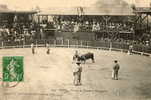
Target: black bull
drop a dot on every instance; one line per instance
(85, 57)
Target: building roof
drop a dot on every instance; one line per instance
(18, 12)
(87, 11)
(4, 9)
(143, 10)
(100, 7)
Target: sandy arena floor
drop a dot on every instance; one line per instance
(49, 77)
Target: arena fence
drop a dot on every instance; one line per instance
(105, 45)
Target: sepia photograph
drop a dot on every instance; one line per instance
(75, 49)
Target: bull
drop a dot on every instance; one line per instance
(85, 57)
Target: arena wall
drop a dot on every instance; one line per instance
(103, 45)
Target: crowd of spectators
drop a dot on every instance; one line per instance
(87, 26)
(18, 32)
(29, 31)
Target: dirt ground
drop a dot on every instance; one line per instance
(49, 77)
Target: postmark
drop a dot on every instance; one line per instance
(13, 68)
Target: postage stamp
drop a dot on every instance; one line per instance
(13, 68)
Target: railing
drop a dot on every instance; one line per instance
(105, 45)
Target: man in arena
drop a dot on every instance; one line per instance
(48, 48)
(77, 70)
(76, 55)
(33, 48)
(130, 49)
(116, 68)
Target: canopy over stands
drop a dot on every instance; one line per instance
(116, 11)
(142, 10)
(99, 7)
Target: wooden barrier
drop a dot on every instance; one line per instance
(99, 45)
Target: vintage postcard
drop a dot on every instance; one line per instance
(75, 49)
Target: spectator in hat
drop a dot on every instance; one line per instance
(116, 68)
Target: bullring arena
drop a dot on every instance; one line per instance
(49, 77)
(110, 29)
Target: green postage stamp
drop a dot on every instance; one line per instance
(13, 68)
